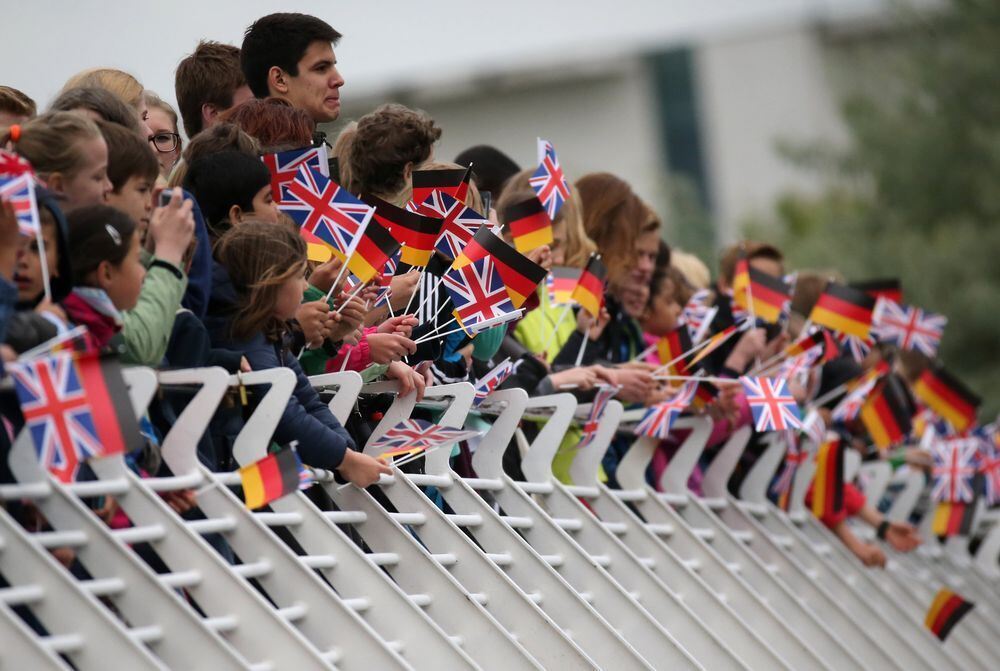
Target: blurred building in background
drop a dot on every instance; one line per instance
(695, 120)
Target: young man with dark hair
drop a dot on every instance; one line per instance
(290, 56)
(207, 83)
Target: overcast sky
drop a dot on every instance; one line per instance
(386, 43)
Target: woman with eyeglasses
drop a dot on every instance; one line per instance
(164, 137)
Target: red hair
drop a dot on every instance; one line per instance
(276, 125)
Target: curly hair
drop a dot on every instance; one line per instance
(385, 142)
(273, 122)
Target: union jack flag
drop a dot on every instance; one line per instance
(388, 272)
(327, 210)
(857, 347)
(605, 393)
(284, 167)
(739, 314)
(13, 165)
(489, 382)
(548, 180)
(989, 463)
(953, 470)
(478, 293)
(57, 413)
(698, 315)
(460, 222)
(800, 365)
(20, 193)
(417, 433)
(908, 327)
(849, 407)
(658, 419)
(773, 407)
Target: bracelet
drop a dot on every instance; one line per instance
(883, 527)
(174, 270)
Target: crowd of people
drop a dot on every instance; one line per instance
(176, 254)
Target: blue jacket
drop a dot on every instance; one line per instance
(322, 440)
(199, 286)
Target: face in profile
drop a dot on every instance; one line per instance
(316, 89)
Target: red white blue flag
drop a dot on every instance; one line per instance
(489, 382)
(698, 315)
(20, 193)
(908, 327)
(284, 167)
(14, 165)
(548, 180)
(417, 433)
(954, 469)
(324, 208)
(658, 420)
(460, 222)
(478, 292)
(605, 393)
(773, 406)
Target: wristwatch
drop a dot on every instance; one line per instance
(883, 527)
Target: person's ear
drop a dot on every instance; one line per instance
(209, 113)
(407, 171)
(103, 276)
(55, 182)
(277, 80)
(235, 215)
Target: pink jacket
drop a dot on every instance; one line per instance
(358, 356)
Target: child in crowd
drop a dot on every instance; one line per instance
(267, 266)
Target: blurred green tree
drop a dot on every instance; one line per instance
(916, 194)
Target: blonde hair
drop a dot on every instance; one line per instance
(694, 270)
(342, 152)
(154, 101)
(51, 142)
(121, 83)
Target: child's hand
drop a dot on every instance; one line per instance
(578, 379)
(389, 347)
(313, 318)
(870, 555)
(171, 229)
(750, 346)
(636, 384)
(245, 365)
(360, 469)
(403, 325)
(401, 287)
(542, 256)
(181, 500)
(9, 240)
(53, 309)
(348, 319)
(409, 379)
(902, 537)
(323, 275)
(606, 375)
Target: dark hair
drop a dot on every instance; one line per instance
(259, 257)
(384, 142)
(274, 123)
(491, 168)
(751, 249)
(101, 102)
(128, 155)
(98, 233)
(280, 40)
(209, 76)
(219, 181)
(17, 102)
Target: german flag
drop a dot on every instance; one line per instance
(484, 243)
(561, 282)
(713, 343)
(889, 287)
(828, 483)
(831, 350)
(947, 397)
(953, 519)
(415, 232)
(672, 346)
(272, 477)
(845, 310)
(887, 412)
(316, 249)
(529, 224)
(945, 612)
(768, 295)
(454, 182)
(374, 249)
(589, 290)
(520, 274)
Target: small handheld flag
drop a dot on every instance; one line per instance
(14, 165)
(459, 223)
(418, 433)
(520, 274)
(828, 482)
(952, 519)
(589, 291)
(76, 407)
(845, 310)
(489, 382)
(657, 420)
(548, 181)
(946, 610)
(327, 210)
(954, 469)
(268, 479)
(887, 412)
(454, 182)
(908, 327)
(674, 349)
(529, 225)
(20, 193)
(478, 292)
(284, 166)
(768, 295)
(773, 406)
(416, 232)
(795, 455)
(889, 288)
(698, 314)
(560, 283)
(605, 393)
(374, 248)
(947, 397)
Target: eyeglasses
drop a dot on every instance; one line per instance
(165, 142)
